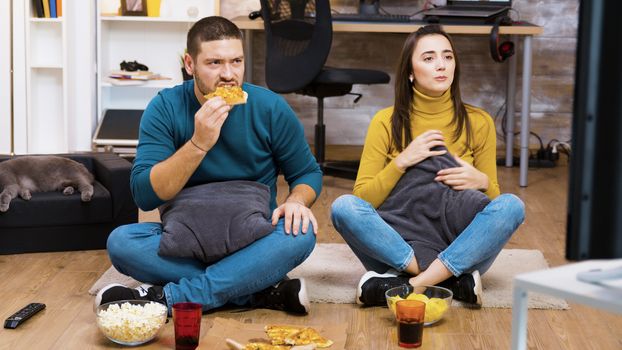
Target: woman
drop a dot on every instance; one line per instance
(428, 119)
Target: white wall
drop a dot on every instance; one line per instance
(5, 77)
(20, 126)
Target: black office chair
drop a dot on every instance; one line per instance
(298, 39)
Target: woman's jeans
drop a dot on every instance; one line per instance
(380, 247)
(133, 250)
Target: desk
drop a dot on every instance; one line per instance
(526, 31)
(561, 282)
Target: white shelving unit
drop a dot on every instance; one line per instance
(46, 77)
(157, 42)
(53, 85)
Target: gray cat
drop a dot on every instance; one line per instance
(26, 174)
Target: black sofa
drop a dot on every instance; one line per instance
(51, 221)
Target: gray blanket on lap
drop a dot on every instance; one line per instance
(429, 215)
(208, 222)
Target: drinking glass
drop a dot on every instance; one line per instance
(410, 316)
(187, 322)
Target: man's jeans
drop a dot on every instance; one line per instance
(380, 247)
(133, 250)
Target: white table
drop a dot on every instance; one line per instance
(562, 282)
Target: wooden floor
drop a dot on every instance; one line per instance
(61, 280)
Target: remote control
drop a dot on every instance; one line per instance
(22, 315)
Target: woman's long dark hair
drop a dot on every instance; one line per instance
(404, 107)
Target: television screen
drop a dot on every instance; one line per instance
(594, 226)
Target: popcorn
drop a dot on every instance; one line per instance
(131, 323)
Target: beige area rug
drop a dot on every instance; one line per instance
(332, 273)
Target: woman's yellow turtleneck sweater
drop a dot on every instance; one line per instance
(378, 174)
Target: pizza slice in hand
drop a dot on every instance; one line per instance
(233, 95)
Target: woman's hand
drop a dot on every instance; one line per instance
(419, 149)
(464, 177)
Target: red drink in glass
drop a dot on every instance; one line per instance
(187, 322)
(410, 315)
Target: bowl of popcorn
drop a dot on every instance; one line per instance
(131, 322)
(437, 300)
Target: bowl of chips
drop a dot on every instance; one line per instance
(437, 299)
(131, 322)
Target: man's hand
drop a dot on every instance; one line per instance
(169, 176)
(464, 177)
(208, 121)
(294, 212)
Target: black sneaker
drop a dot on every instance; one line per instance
(373, 285)
(116, 292)
(289, 295)
(466, 287)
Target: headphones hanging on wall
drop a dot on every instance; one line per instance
(500, 52)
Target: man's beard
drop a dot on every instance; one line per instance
(200, 85)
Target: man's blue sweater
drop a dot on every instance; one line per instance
(257, 139)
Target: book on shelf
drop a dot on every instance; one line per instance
(59, 7)
(52, 8)
(135, 75)
(127, 78)
(38, 8)
(125, 82)
(46, 8)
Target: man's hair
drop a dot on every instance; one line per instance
(210, 29)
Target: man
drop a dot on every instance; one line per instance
(186, 140)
